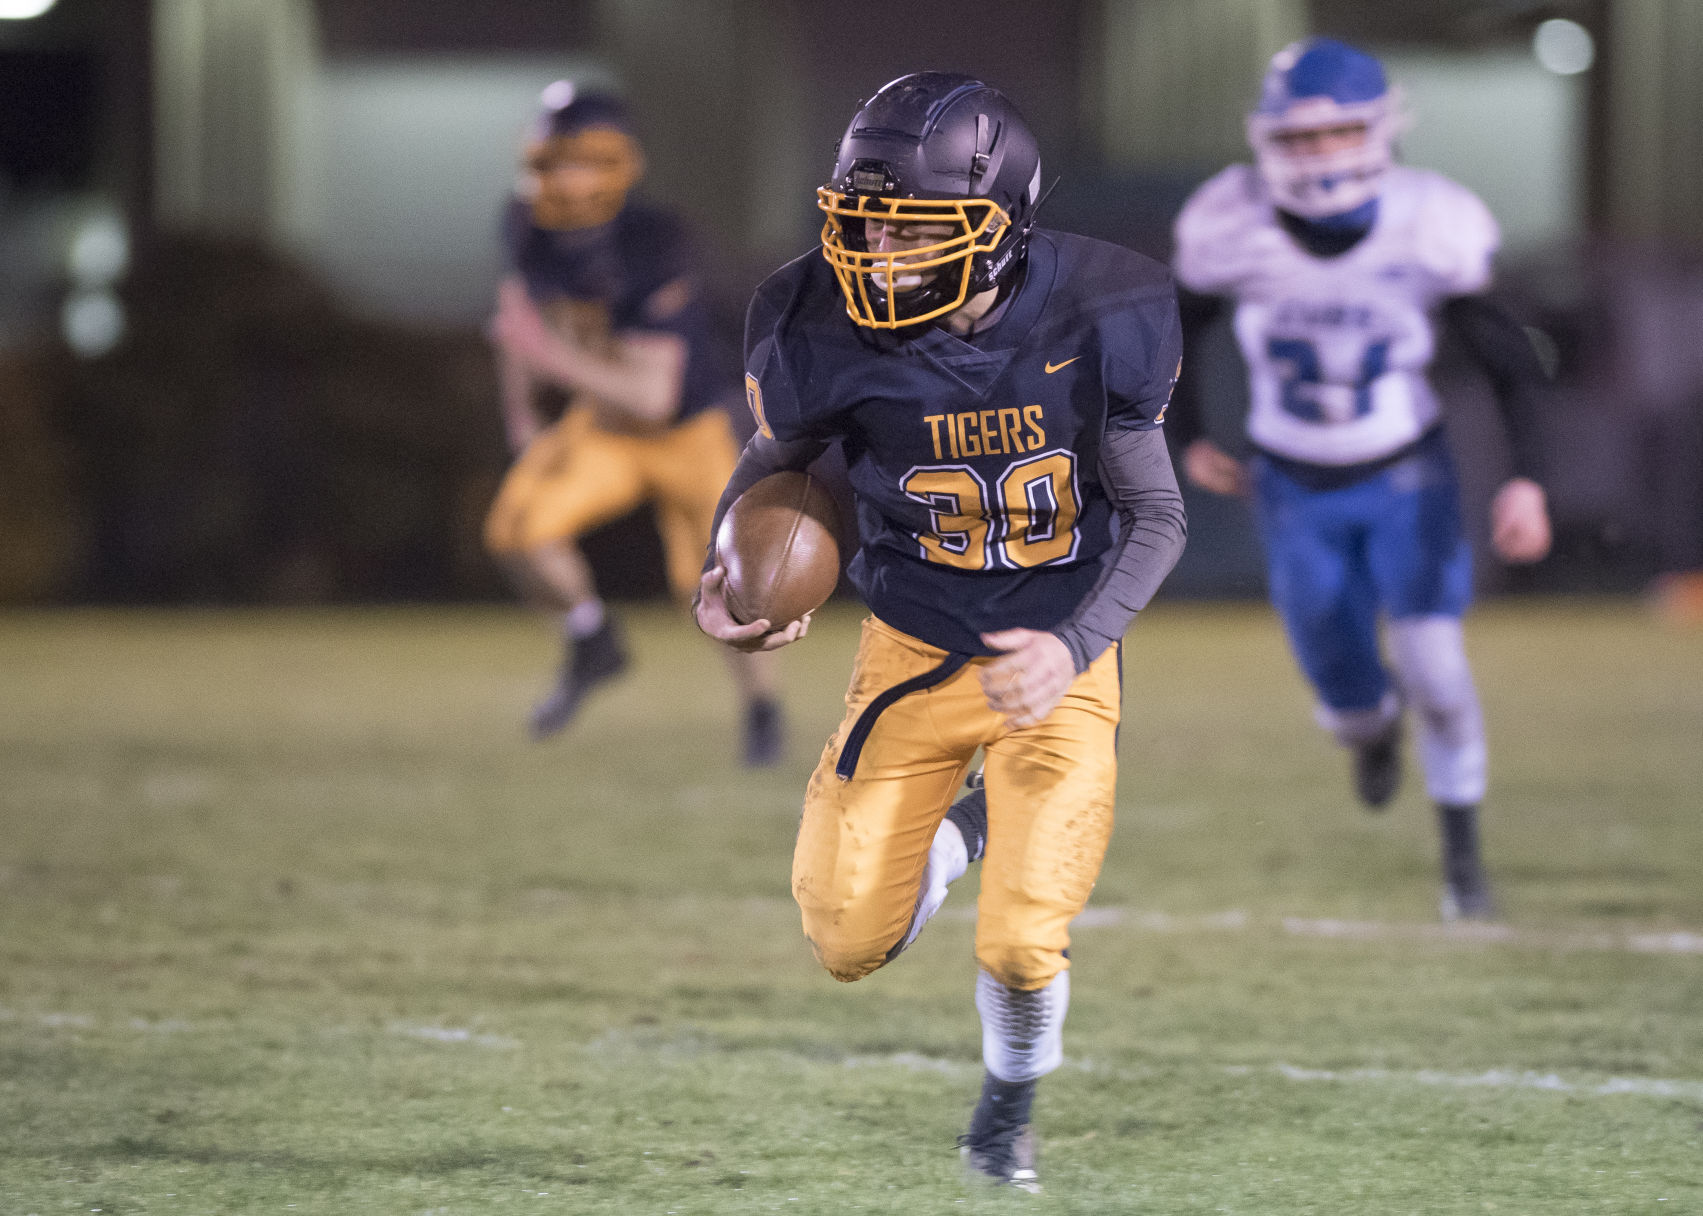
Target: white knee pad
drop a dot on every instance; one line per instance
(1353, 727)
(1430, 661)
(1022, 1032)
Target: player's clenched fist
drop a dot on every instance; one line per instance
(1026, 682)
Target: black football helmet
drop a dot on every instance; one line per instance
(930, 148)
(580, 161)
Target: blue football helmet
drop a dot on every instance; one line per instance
(1325, 128)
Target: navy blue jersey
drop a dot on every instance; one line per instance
(643, 272)
(975, 462)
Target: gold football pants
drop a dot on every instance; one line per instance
(863, 842)
(576, 476)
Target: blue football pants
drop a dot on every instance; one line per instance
(1390, 546)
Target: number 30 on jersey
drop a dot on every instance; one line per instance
(1026, 518)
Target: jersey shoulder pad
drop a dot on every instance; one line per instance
(777, 326)
(531, 253)
(1129, 303)
(516, 229)
(1214, 228)
(776, 297)
(1095, 270)
(655, 244)
(1455, 234)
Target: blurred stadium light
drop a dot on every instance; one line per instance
(23, 10)
(370, 141)
(1564, 47)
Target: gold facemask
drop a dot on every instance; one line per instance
(875, 296)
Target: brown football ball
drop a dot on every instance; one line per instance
(778, 543)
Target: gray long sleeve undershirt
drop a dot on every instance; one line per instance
(1135, 469)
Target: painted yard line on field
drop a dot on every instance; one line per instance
(911, 1061)
(914, 1061)
(83, 1021)
(1495, 1078)
(451, 1034)
(1468, 933)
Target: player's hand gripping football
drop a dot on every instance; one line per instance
(1212, 468)
(715, 620)
(1519, 522)
(1027, 681)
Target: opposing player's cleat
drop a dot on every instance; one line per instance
(970, 815)
(1467, 894)
(1000, 1145)
(764, 741)
(1466, 890)
(595, 659)
(1377, 768)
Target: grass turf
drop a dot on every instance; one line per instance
(293, 919)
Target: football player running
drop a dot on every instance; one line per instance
(997, 390)
(1340, 265)
(603, 307)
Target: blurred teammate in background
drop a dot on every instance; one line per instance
(998, 392)
(1340, 266)
(602, 306)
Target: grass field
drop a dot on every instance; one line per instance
(293, 919)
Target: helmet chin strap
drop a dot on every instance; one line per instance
(1004, 282)
(999, 273)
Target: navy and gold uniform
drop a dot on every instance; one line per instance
(602, 303)
(975, 463)
(997, 393)
(635, 275)
(981, 504)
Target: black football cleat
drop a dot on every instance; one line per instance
(764, 741)
(1000, 1145)
(970, 815)
(594, 659)
(1377, 768)
(1467, 897)
(1466, 890)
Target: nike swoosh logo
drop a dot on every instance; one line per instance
(1053, 367)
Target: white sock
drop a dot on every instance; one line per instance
(948, 859)
(1430, 661)
(1022, 1032)
(583, 619)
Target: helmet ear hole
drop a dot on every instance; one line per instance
(984, 144)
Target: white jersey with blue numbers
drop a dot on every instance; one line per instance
(1337, 348)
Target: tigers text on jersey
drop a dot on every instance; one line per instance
(1337, 348)
(637, 274)
(975, 462)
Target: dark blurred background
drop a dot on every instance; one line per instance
(247, 248)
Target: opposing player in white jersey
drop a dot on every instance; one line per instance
(1341, 266)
